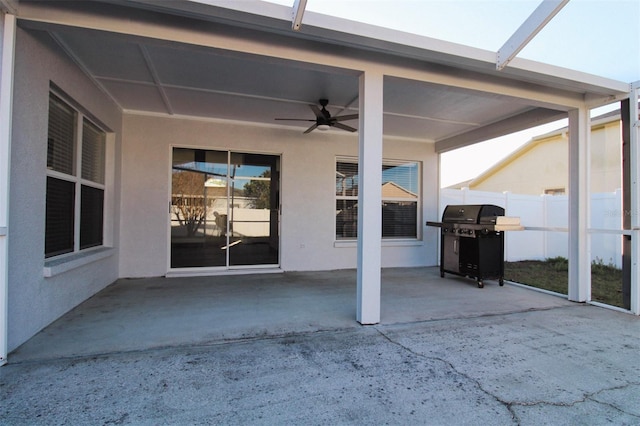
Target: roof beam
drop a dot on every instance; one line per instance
(526, 120)
(298, 11)
(528, 30)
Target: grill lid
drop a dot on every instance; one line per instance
(472, 213)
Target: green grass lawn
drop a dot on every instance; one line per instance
(553, 274)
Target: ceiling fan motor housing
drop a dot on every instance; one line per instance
(323, 120)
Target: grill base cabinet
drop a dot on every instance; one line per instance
(469, 244)
(480, 258)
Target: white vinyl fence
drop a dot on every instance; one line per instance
(545, 218)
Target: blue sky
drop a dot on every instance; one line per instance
(600, 37)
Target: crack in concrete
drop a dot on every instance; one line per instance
(586, 397)
(514, 416)
(510, 405)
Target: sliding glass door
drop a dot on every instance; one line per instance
(224, 209)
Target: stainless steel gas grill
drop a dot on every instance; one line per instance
(472, 241)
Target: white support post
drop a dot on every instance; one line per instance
(579, 208)
(8, 33)
(369, 198)
(634, 132)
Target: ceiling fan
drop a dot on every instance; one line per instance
(324, 120)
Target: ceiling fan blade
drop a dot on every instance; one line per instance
(346, 117)
(317, 111)
(310, 128)
(344, 127)
(292, 119)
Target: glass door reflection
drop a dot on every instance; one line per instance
(198, 208)
(253, 212)
(224, 209)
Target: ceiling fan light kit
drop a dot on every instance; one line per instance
(324, 121)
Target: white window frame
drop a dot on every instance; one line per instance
(418, 201)
(78, 181)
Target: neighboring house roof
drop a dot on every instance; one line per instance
(389, 190)
(596, 122)
(393, 190)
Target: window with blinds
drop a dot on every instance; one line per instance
(400, 187)
(75, 195)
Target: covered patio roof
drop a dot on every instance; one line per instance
(241, 61)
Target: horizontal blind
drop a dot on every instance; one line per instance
(400, 187)
(93, 152)
(346, 179)
(346, 219)
(91, 216)
(59, 220)
(61, 137)
(399, 219)
(401, 180)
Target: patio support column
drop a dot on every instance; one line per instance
(579, 206)
(7, 46)
(634, 148)
(369, 198)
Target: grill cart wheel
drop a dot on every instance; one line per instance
(480, 284)
(501, 282)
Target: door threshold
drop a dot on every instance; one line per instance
(200, 272)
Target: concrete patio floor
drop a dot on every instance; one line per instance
(286, 349)
(140, 314)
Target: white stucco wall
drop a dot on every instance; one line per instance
(35, 301)
(307, 191)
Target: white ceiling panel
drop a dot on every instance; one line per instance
(418, 128)
(255, 76)
(226, 106)
(106, 56)
(136, 97)
(412, 98)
